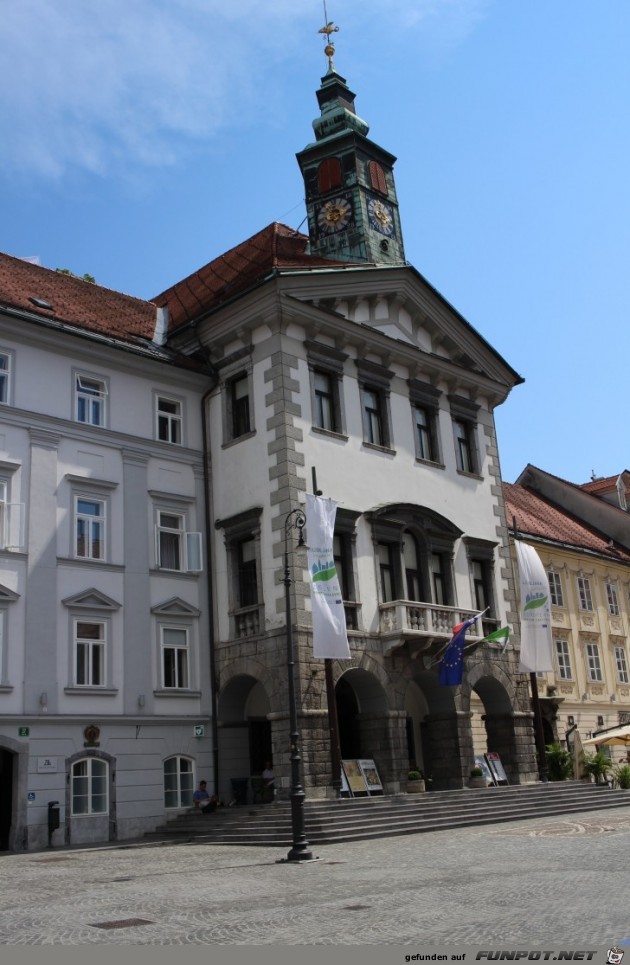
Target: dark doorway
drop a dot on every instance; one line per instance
(347, 714)
(6, 797)
(259, 744)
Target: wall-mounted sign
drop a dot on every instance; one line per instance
(23, 731)
(46, 765)
(30, 797)
(200, 730)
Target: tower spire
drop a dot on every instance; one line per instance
(328, 29)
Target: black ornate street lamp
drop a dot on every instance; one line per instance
(295, 520)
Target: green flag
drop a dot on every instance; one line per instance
(498, 636)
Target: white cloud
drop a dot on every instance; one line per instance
(112, 85)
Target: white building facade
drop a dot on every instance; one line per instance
(105, 658)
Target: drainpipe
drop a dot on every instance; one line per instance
(207, 507)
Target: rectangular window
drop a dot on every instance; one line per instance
(555, 588)
(387, 572)
(169, 420)
(174, 657)
(611, 599)
(11, 520)
(424, 420)
(5, 375)
(90, 395)
(463, 446)
(239, 401)
(373, 417)
(621, 664)
(175, 548)
(437, 579)
(593, 663)
(89, 787)
(564, 659)
(247, 576)
(324, 415)
(170, 541)
(584, 593)
(89, 528)
(89, 654)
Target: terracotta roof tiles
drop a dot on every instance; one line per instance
(74, 301)
(275, 247)
(536, 516)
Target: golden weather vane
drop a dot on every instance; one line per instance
(328, 29)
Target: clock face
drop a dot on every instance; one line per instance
(334, 215)
(381, 216)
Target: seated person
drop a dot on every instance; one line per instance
(203, 801)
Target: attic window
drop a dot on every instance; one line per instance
(40, 302)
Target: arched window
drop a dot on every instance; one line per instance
(329, 175)
(178, 782)
(89, 786)
(412, 568)
(377, 177)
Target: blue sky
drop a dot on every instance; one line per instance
(141, 138)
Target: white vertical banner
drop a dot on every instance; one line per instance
(536, 643)
(330, 638)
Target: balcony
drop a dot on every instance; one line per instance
(424, 624)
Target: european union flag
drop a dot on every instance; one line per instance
(452, 666)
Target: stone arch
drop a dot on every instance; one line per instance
(246, 736)
(435, 729)
(489, 693)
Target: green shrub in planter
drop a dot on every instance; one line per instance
(476, 772)
(621, 776)
(559, 763)
(597, 766)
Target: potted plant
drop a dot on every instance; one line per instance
(476, 778)
(415, 782)
(621, 776)
(559, 763)
(597, 766)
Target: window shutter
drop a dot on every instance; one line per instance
(329, 175)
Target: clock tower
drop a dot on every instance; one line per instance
(351, 200)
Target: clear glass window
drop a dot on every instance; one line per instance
(564, 659)
(90, 528)
(170, 541)
(89, 787)
(90, 395)
(555, 588)
(175, 657)
(178, 782)
(241, 423)
(584, 593)
(611, 599)
(621, 664)
(463, 446)
(89, 654)
(169, 421)
(593, 662)
(324, 401)
(5, 375)
(373, 417)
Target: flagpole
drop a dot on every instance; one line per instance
(539, 734)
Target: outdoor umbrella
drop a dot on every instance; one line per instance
(618, 736)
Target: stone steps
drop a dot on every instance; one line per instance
(363, 818)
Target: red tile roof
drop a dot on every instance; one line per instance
(275, 247)
(74, 301)
(536, 516)
(608, 484)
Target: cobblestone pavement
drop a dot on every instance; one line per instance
(557, 881)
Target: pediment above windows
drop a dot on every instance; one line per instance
(175, 607)
(91, 599)
(7, 595)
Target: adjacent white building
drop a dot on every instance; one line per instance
(104, 658)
